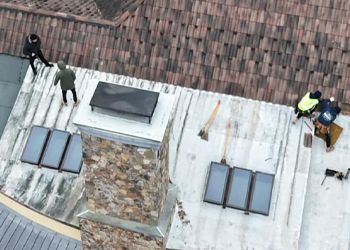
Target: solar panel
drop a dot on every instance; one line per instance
(35, 145)
(55, 148)
(239, 187)
(261, 193)
(124, 100)
(216, 184)
(73, 158)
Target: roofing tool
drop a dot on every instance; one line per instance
(227, 142)
(331, 172)
(204, 131)
(347, 174)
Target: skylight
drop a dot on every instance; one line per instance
(216, 185)
(59, 151)
(73, 158)
(239, 188)
(261, 194)
(35, 145)
(54, 150)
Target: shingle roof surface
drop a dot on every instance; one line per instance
(267, 50)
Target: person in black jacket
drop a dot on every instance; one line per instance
(32, 49)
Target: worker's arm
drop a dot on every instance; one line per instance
(57, 78)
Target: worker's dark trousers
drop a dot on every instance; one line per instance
(328, 139)
(41, 57)
(64, 93)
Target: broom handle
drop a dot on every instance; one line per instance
(212, 115)
(227, 139)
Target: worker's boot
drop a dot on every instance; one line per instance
(329, 149)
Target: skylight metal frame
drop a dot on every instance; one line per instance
(61, 153)
(247, 203)
(43, 146)
(252, 189)
(225, 184)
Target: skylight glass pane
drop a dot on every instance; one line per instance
(74, 156)
(35, 143)
(55, 148)
(261, 195)
(239, 186)
(216, 184)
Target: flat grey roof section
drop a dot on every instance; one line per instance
(12, 73)
(216, 184)
(17, 232)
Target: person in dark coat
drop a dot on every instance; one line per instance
(32, 49)
(66, 77)
(325, 119)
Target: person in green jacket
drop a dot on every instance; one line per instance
(66, 77)
(307, 105)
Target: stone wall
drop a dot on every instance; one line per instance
(125, 181)
(100, 236)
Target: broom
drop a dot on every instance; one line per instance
(227, 142)
(204, 131)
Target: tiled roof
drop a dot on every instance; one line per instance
(268, 50)
(77, 7)
(17, 232)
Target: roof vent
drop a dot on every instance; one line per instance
(124, 102)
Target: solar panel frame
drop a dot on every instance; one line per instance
(66, 155)
(61, 154)
(206, 199)
(27, 145)
(253, 192)
(228, 204)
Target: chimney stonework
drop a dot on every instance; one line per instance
(130, 202)
(125, 181)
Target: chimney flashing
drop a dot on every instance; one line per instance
(159, 230)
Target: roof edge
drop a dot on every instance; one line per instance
(41, 219)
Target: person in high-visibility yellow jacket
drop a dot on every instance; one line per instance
(307, 105)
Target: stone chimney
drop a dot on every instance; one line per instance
(129, 199)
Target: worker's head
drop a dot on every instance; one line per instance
(317, 94)
(337, 109)
(331, 99)
(61, 64)
(33, 38)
